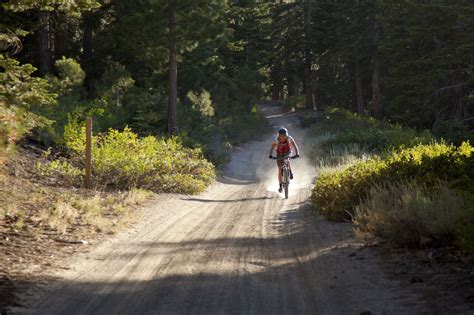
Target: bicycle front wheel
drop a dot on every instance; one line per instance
(286, 182)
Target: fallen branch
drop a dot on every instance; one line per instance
(70, 242)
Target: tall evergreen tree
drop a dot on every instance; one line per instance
(50, 40)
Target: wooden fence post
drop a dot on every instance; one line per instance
(88, 178)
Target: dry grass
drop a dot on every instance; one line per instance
(337, 157)
(60, 216)
(105, 212)
(36, 207)
(27, 201)
(41, 221)
(410, 215)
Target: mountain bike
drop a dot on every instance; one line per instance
(285, 171)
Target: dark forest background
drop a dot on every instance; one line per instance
(405, 61)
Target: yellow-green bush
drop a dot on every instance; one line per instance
(63, 170)
(123, 160)
(336, 194)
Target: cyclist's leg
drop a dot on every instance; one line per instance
(279, 164)
(279, 172)
(289, 168)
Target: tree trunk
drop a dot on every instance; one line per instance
(460, 112)
(173, 74)
(358, 84)
(44, 50)
(309, 87)
(308, 58)
(87, 51)
(292, 83)
(319, 102)
(376, 93)
(376, 90)
(87, 41)
(61, 38)
(276, 92)
(358, 75)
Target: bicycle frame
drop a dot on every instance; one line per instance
(285, 172)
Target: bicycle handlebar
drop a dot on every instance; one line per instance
(284, 157)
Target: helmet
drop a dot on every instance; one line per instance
(283, 131)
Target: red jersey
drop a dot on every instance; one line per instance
(283, 147)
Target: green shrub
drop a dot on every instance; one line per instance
(410, 214)
(123, 160)
(70, 76)
(336, 194)
(63, 170)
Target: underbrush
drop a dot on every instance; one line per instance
(414, 215)
(30, 203)
(394, 183)
(122, 160)
(337, 193)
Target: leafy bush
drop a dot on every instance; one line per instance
(123, 160)
(410, 214)
(337, 193)
(70, 76)
(63, 170)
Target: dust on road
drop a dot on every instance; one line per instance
(239, 248)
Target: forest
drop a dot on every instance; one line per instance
(197, 68)
(384, 91)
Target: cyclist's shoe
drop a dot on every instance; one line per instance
(280, 189)
(291, 175)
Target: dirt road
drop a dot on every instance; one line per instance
(239, 248)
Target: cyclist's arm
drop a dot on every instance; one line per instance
(293, 143)
(272, 148)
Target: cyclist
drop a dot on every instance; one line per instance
(283, 144)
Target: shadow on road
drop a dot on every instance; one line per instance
(226, 200)
(307, 267)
